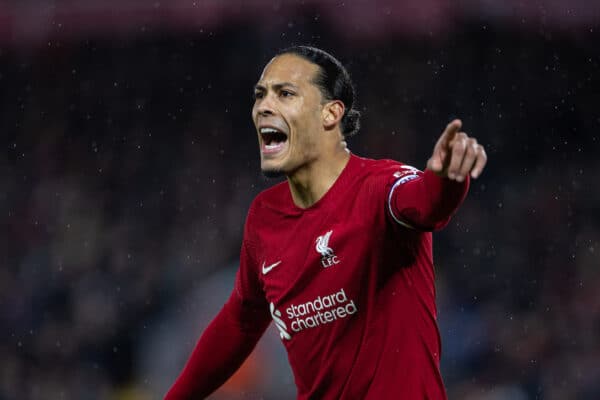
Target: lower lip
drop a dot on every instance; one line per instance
(272, 149)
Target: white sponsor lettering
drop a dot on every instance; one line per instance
(320, 311)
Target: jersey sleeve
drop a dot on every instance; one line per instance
(422, 200)
(229, 338)
(220, 351)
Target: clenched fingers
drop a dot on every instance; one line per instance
(480, 161)
(468, 157)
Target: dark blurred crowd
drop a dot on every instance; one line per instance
(128, 165)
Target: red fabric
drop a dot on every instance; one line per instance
(427, 203)
(350, 289)
(222, 348)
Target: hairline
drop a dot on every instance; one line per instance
(318, 75)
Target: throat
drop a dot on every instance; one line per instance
(309, 184)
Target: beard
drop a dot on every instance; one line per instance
(272, 173)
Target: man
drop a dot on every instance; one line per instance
(339, 256)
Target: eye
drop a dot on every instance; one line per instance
(286, 93)
(258, 95)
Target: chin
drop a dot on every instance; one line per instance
(272, 168)
(272, 172)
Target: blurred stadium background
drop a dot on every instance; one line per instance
(129, 160)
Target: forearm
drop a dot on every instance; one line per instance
(428, 203)
(220, 351)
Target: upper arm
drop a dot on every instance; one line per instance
(247, 284)
(248, 289)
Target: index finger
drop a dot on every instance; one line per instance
(451, 129)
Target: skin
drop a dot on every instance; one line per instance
(456, 154)
(315, 153)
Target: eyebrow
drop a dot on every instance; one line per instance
(276, 86)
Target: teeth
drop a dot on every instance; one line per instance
(268, 130)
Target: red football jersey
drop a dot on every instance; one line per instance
(348, 283)
(350, 289)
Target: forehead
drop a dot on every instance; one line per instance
(288, 68)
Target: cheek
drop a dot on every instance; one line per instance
(307, 117)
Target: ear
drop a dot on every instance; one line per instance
(333, 112)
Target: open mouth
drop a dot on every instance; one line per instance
(273, 140)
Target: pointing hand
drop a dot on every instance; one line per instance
(456, 154)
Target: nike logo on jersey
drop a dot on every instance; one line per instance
(266, 270)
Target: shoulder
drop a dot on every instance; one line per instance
(386, 170)
(269, 199)
(275, 194)
(378, 164)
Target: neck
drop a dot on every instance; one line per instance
(310, 182)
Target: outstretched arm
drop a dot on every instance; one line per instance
(222, 348)
(427, 200)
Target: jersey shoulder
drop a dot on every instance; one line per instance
(277, 192)
(275, 198)
(386, 169)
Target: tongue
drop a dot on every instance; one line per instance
(273, 147)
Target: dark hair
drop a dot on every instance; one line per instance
(334, 82)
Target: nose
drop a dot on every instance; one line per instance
(265, 107)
